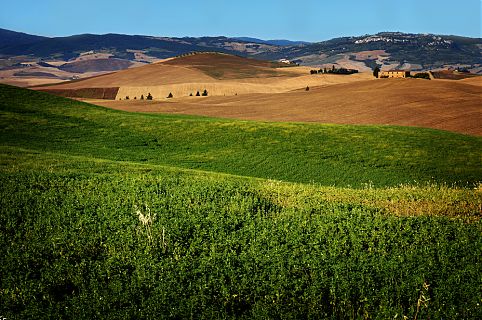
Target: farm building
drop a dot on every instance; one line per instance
(394, 74)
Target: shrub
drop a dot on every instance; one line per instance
(149, 97)
(376, 70)
(198, 94)
(142, 97)
(422, 75)
(170, 95)
(205, 93)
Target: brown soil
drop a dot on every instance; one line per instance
(446, 105)
(89, 93)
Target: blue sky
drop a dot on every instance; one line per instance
(307, 20)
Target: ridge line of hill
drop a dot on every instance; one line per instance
(405, 50)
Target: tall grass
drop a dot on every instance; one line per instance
(74, 245)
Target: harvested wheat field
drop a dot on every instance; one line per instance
(219, 74)
(476, 81)
(446, 105)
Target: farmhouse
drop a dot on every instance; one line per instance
(394, 74)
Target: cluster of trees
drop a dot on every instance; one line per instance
(334, 70)
(149, 96)
(422, 75)
(198, 94)
(462, 70)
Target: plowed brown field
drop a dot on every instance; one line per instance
(447, 105)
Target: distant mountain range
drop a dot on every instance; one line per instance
(388, 49)
(278, 42)
(12, 38)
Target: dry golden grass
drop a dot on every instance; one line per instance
(28, 82)
(237, 87)
(476, 81)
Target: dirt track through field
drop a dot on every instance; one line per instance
(447, 105)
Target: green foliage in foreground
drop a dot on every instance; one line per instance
(177, 245)
(95, 224)
(326, 154)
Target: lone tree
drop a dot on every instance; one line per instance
(198, 94)
(142, 97)
(376, 70)
(205, 93)
(149, 97)
(190, 94)
(307, 88)
(127, 97)
(170, 95)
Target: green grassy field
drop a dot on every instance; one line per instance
(330, 155)
(106, 214)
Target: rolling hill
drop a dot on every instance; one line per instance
(388, 49)
(251, 89)
(219, 74)
(393, 50)
(10, 38)
(121, 46)
(446, 105)
(194, 142)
